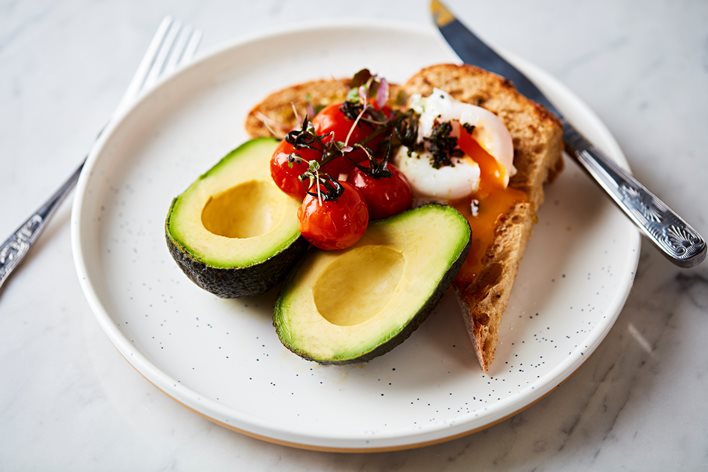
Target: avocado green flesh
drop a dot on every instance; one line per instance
(233, 232)
(356, 304)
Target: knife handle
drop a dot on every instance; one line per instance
(675, 238)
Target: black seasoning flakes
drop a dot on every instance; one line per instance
(442, 147)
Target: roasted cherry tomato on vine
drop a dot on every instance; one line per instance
(333, 224)
(286, 174)
(385, 195)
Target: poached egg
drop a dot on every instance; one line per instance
(462, 178)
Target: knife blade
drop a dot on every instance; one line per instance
(676, 239)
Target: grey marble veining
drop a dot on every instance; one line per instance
(68, 401)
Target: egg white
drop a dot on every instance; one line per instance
(443, 184)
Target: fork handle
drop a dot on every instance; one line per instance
(675, 238)
(16, 247)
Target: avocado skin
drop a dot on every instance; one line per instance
(415, 322)
(235, 283)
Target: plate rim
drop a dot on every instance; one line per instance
(218, 413)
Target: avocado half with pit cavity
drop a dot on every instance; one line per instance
(233, 232)
(356, 304)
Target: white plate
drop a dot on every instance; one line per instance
(222, 357)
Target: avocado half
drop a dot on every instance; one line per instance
(356, 304)
(233, 232)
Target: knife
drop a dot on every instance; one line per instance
(675, 238)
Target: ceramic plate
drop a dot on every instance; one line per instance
(222, 358)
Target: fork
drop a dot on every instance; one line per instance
(173, 44)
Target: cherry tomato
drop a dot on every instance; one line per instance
(331, 120)
(285, 174)
(334, 224)
(385, 196)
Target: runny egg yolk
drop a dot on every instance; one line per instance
(495, 200)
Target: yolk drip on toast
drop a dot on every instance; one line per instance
(495, 200)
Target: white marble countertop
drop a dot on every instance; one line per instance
(68, 401)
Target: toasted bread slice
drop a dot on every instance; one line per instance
(537, 137)
(274, 115)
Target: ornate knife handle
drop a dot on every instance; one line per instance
(675, 238)
(15, 248)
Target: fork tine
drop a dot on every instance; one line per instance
(176, 52)
(136, 84)
(163, 54)
(192, 46)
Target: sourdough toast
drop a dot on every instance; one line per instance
(537, 138)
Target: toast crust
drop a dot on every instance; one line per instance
(537, 138)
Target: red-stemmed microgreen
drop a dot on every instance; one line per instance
(270, 124)
(365, 103)
(295, 112)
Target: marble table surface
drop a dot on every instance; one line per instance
(68, 401)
